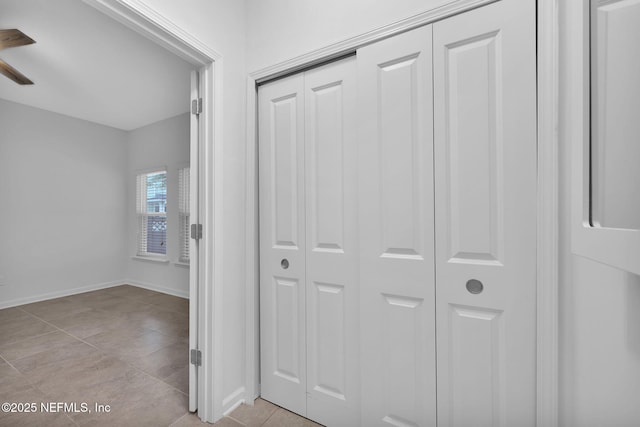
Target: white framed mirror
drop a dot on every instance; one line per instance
(615, 114)
(607, 157)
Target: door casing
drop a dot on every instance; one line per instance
(207, 164)
(547, 189)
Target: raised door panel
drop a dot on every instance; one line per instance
(485, 171)
(403, 355)
(395, 167)
(282, 243)
(400, 171)
(326, 176)
(615, 102)
(332, 251)
(284, 172)
(474, 149)
(477, 350)
(287, 334)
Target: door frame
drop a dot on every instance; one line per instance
(547, 189)
(207, 164)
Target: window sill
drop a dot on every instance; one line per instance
(182, 264)
(150, 259)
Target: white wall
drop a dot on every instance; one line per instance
(62, 182)
(599, 305)
(278, 30)
(67, 191)
(220, 24)
(162, 144)
(600, 327)
(261, 30)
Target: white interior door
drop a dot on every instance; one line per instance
(333, 387)
(194, 262)
(415, 245)
(282, 244)
(485, 151)
(308, 264)
(396, 231)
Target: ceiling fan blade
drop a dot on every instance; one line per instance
(14, 38)
(13, 74)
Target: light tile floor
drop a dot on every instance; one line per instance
(125, 346)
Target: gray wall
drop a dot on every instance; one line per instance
(162, 144)
(63, 210)
(599, 305)
(67, 204)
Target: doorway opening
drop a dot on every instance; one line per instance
(148, 223)
(206, 185)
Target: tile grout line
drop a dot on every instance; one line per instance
(152, 304)
(103, 351)
(236, 420)
(265, 421)
(272, 414)
(134, 299)
(72, 420)
(63, 331)
(81, 339)
(29, 382)
(108, 353)
(34, 386)
(178, 419)
(10, 364)
(60, 330)
(154, 377)
(28, 338)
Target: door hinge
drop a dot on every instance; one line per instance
(196, 231)
(196, 357)
(196, 106)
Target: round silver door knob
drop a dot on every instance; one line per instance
(284, 263)
(474, 286)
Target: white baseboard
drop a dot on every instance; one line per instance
(58, 294)
(157, 288)
(258, 393)
(232, 401)
(79, 290)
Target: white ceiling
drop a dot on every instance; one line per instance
(86, 65)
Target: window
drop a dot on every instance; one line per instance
(183, 213)
(151, 204)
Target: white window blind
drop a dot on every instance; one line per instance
(183, 213)
(151, 207)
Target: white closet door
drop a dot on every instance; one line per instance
(332, 248)
(309, 255)
(485, 151)
(396, 231)
(282, 244)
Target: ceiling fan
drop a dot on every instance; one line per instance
(14, 38)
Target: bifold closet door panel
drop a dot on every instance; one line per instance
(485, 152)
(395, 163)
(282, 243)
(333, 388)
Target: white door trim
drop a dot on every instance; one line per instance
(194, 251)
(350, 45)
(547, 227)
(548, 215)
(139, 17)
